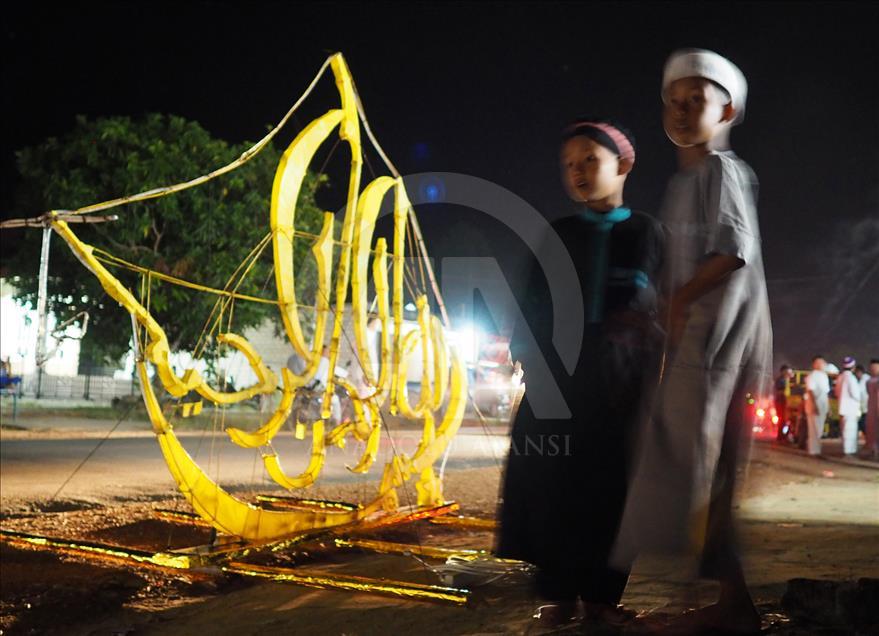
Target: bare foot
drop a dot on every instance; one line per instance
(608, 614)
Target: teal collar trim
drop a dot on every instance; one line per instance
(605, 220)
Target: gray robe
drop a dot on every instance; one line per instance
(690, 447)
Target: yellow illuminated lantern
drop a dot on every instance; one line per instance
(444, 378)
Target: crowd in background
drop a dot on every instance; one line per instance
(855, 390)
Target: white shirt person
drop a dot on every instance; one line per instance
(817, 404)
(848, 392)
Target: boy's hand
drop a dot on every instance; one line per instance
(672, 315)
(678, 315)
(713, 272)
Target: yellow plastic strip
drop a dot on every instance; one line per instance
(401, 208)
(425, 397)
(266, 379)
(349, 131)
(96, 550)
(264, 434)
(466, 522)
(297, 502)
(403, 407)
(178, 516)
(440, 363)
(409, 515)
(367, 212)
(371, 451)
(385, 587)
(380, 278)
(225, 512)
(311, 472)
(388, 547)
(157, 350)
(285, 192)
(246, 156)
(113, 260)
(451, 421)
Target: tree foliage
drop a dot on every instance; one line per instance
(200, 235)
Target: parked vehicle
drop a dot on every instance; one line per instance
(795, 415)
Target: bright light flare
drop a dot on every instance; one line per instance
(468, 338)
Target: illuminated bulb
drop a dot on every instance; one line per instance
(761, 412)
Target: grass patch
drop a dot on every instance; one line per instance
(233, 417)
(28, 411)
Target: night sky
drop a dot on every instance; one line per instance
(484, 89)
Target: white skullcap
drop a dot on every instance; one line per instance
(711, 66)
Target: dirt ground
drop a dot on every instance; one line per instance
(799, 517)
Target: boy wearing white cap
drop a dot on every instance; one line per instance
(719, 345)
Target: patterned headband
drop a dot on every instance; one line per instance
(607, 135)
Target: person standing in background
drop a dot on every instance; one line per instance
(816, 404)
(872, 423)
(863, 377)
(848, 392)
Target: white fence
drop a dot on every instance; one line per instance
(89, 387)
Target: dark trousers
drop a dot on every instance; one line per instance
(562, 512)
(597, 585)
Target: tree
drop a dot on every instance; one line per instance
(200, 235)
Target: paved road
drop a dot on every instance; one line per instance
(130, 463)
(127, 464)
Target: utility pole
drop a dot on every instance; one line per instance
(41, 308)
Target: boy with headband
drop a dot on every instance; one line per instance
(720, 340)
(565, 480)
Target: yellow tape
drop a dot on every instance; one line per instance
(389, 547)
(386, 587)
(225, 512)
(315, 462)
(97, 550)
(264, 434)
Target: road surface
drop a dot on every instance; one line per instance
(131, 463)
